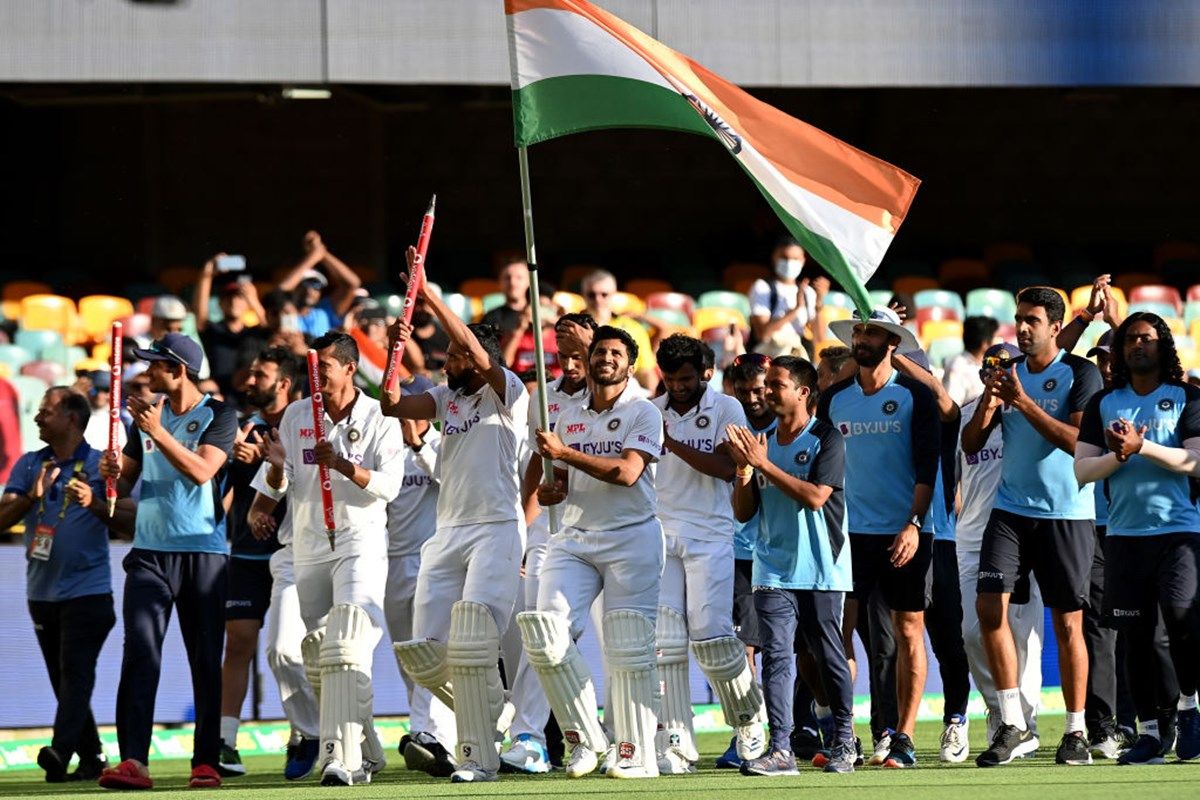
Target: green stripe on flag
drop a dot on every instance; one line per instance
(559, 106)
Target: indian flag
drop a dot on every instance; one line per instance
(576, 67)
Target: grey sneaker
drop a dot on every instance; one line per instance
(842, 757)
(774, 763)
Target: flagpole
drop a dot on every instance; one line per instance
(536, 323)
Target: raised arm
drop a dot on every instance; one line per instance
(343, 281)
(314, 254)
(203, 292)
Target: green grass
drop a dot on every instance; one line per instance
(1036, 777)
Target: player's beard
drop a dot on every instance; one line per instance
(262, 398)
(457, 381)
(867, 357)
(616, 377)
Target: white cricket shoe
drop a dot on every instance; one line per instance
(335, 773)
(581, 761)
(750, 741)
(526, 755)
(673, 762)
(471, 772)
(955, 747)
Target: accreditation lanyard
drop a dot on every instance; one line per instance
(43, 532)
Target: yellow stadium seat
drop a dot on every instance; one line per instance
(97, 312)
(10, 309)
(18, 290)
(478, 287)
(628, 304)
(642, 287)
(831, 314)
(49, 312)
(1080, 296)
(570, 302)
(709, 318)
(102, 351)
(1195, 330)
(1176, 325)
(940, 329)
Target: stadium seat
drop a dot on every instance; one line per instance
(715, 317)
(137, 325)
(478, 287)
(1193, 292)
(29, 396)
(1007, 332)
(1191, 312)
(995, 303)
(15, 356)
(460, 305)
(670, 316)
(643, 287)
(675, 301)
(179, 279)
(837, 299)
(97, 312)
(1126, 281)
(49, 312)
(832, 314)
(940, 329)
(940, 350)
(93, 364)
(493, 300)
(1165, 310)
(570, 302)
(735, 274)
(36, 342)
(950, 301)
(931, 313)
(723, 299)
(626, 304)
(880, 297)
(1194, 330)
(19, 290)
(52, 372)
(1091, 335)
(1157, 293)
(1080, 296)
(911, 284)
(1176, 326)
(960, 274)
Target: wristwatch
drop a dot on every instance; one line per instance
(915, 521)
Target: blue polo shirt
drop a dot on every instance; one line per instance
(893, 443)
(175, 515)
(1038, 479)
(745, 534)
(1145, 499)
(799, 548)
(78, 561)
(319, 319)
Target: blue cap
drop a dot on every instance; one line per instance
(175, 348)
(416, 384)
(1003, 352)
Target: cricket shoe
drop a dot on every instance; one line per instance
(472, 772)
(882, 746)
(954, 743)
(672, 762)
(1146, 750)
(729, 759)
(750, 741)
(1187, 740)
(526, 755)
(1073, 750)
(229, 762)
(424, 753)
(902, 754)
(301, 758)
(581, 761)
(629, 766)
(774, 764)
(806, 743)
(1008, 744)
(1106, 742)
(842, 757)
(53, 765)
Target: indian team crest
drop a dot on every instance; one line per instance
(702, 422)
(353, 435)
(1165, 404)
(802, 457)
(890, 407)
(613, 424)
(1049, 385)
(193, 426)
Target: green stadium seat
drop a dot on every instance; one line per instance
(36, 342)
(839, 300)
(940, 350)
(492, 300)
(725, 299)
(1164, 310)
(939, 298)
(1191, 312)
(670, 316)
(15, 357)
(995, 303)
(460, 305)
(29, 396)
(880, 297)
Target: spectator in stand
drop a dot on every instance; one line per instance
(96, 433)
(598, 289)
(166, 316)
(784, 309)
(428, 349)
(230, 344)
(515, 317)
(961, 378)
(10, 429)
(283, 323)
(318, 311)
(513, 277)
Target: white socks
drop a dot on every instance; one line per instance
(1149, 729)
(1187, 702)
(229, 730)
(1010, 708)
(1075, 722)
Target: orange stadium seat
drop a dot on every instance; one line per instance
(675, 301)
(734, 274)
(643, 287)
(97, 312)
(963, 273)
(478, 287)
(49, 312)
(570, 302)
(1080, 296)
(1157, 293)
(17, 290)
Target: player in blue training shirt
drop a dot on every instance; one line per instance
(179, 448)
(1041, 520)
(893, 438)
(1143, 436)
(792, 479)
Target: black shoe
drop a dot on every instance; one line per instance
(902, 754)
(858, 752)
(806, 743)
(1167, 730)
(229, 762)
(1008, 744)
(56, 769)
(1146, 750)
(404, 740)
(426, 754)
(1073, 750)
(90, 769)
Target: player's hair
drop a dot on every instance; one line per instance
(74, 404)
(1047, 298)
(582, 320)
(784, 242)
(286, 364)
(801, 369)
(678, 349)
(345, 349)
(746, 370)
(1169, 368)
(507, 261)
(978, 332)
(488, 336)
(836, 357)
(606, 332)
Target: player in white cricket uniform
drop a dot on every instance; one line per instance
(528, 731)
(694, 490)
(470, 569)
(610, 540)
(340, 590)
(412, 521)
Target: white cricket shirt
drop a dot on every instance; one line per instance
(979, 478)
(556, 401)
(412, 514)
(690, 503)
(366, 438)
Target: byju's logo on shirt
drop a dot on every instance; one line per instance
(849, 429)
(985, 455)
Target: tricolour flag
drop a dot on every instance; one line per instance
(576, 67)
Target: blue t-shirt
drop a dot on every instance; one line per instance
(175, 515)
(799, 548)
(941, 508)
(893, 443)
(745, 534)
(1145, 499)
(319, 319)
(77, 565)
(1101, 503)
(1038, 479)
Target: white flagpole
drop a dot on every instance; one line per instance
(536, 324)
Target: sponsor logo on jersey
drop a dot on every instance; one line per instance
(1126, 612)
(626, 750)
(461, 427)
(307, 433)
(702, 422)
(417, 479)
(994, 575)
(577, 427)
(703, 445)
(890, 407)
(193, 426)
(1050, 385)
(598, 448)
(985, 455)
(849, 429)
(310, 455)
(148, 444)
(452, 407)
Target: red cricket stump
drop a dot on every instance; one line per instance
(318, 410)
(410, 296)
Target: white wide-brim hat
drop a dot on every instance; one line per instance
(880, 317)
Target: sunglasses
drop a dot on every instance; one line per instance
(598, 294)
(162, 349)
(754, 359)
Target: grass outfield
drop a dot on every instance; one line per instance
(1036, 777)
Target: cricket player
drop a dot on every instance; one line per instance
(341, 587)
(612, 541)
(692, 482)
(470, 569)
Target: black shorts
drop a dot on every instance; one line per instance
(249, 588)
(1058, 552)
(909, 588)
(1142, 573)
(745, 618)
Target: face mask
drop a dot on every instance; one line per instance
(789, 268)
(289, 322)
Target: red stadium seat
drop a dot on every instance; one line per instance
(930, 313)
(1157, 293)
(911, 284)
(1193, 292)
(1126, 281)
(675, 301)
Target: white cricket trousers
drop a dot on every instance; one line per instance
(285, 630)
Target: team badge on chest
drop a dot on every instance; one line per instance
(1165, 404)
(890, 407)
(1049, 385)
(353, 435)
(613, 424)
(702, 422)
(193, 426)
(802, 457)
